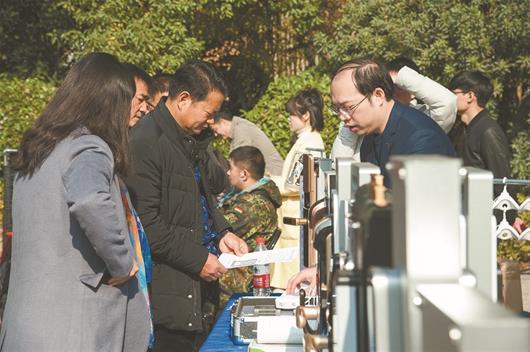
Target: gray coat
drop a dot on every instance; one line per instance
(245, 133)
(69, 234)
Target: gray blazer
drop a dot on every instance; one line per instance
(69, 232)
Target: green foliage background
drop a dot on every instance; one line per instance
(152, 34)
(442, 37)
(268, 50)
(22, 101)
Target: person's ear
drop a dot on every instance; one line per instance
(471, 97)
(378, 97)
(183, 100)
(244, 175)
(305, 117)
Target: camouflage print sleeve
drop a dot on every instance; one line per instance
(247, 217)
(235, 215)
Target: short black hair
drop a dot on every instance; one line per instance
(367, 75)
(160, 83)
(250, 159)
(223, 114)
(308, 100)
(473, 81)
(199, 78)
(138, 73)
(399, 62)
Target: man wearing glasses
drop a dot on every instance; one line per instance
(413, 89)
(361, 94)
(140, 100)
(485, 144)
(481, 142)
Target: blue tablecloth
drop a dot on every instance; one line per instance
(219, 338)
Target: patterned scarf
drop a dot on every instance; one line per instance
(141, 250)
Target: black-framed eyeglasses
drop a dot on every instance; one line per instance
(347, 110)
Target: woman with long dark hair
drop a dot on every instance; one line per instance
(73, 285)
(306, 119)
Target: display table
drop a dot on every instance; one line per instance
(219, 338)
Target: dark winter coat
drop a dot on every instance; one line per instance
(167, 197)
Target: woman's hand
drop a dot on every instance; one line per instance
(118, 281)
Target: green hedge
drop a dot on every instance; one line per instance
(270, 114)
(22, 102)
(521, 156)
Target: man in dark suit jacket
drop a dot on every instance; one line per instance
(361, 94)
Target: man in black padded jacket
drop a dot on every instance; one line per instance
(170, 182)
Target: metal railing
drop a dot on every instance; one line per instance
(505, 202)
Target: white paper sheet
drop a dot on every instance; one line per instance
(231, 261)
(262, 347)
(279, 329)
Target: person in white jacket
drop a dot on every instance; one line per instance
(439, 103)
(306, 119)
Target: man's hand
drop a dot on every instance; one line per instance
(118, 281)
(306, 275)
(230, 243)
(212, 269)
